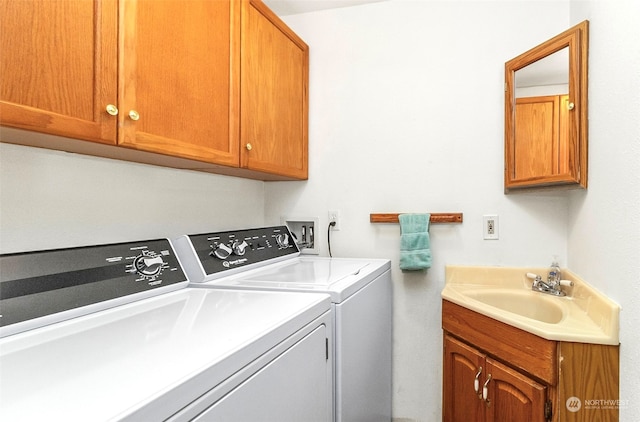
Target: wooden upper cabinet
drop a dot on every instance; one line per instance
(546, 118)
(274, 94)
(58, 66)
(178, 89)
(176, 83)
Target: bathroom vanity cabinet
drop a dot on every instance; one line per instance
(496, 372)
(217, 86)
(504, 395)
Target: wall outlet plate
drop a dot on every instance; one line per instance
(490, 227)
(334, 215)
(305, 232)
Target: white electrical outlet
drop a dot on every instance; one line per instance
(490, 227)
(334, 216)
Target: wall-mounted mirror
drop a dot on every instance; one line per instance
(546, 113)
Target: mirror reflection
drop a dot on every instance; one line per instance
(541, 105)
(547, 76)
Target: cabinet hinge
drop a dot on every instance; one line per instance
(548, 410)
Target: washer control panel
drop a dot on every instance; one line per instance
(43, 283)
(218, 252)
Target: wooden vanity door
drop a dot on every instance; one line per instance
(461, 365)
(513, 396)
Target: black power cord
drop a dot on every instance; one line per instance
(331, 224)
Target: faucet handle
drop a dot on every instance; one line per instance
(537, 280)
(566, 283)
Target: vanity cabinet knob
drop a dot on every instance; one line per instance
(571, 106)
(112, 110)
(249, 147)
(133, 115)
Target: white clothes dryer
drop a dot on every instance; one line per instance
(265, 259)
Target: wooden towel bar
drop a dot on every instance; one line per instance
(446, 217)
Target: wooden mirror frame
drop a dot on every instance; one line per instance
(575, 162)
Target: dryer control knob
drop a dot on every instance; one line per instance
(221, 251)
(283, 240)
(239, 248)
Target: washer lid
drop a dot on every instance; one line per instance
(316, 272)
(339, 277)
(148, 358)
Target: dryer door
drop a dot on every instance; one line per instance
(293, 387)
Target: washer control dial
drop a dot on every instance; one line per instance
(148, 264)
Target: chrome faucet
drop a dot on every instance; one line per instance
(552, 286)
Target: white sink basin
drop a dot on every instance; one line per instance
(528, 304)
(584, 315)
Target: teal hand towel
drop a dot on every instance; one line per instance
(415, 246)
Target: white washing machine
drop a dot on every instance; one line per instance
(112, 332)
(266, 259)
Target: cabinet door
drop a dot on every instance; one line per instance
(463, 365)
(274, 103)
(513, 396)
(536, 137)
(541, 151)
(58, 67)
(178, 93)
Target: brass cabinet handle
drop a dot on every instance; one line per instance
(249, 147)
(476, 383)
(112, 110)
(485, 390)
(133, 115)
